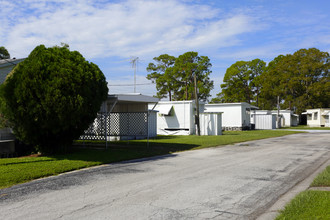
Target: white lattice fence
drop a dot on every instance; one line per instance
(117, 124)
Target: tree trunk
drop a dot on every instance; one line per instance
(186, 90)
(257, 101)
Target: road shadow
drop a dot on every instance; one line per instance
(116, 160)
(123, 151)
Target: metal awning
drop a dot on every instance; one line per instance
(307, 113)
(164, 109)
(326, 113)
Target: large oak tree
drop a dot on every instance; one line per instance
(301, 80)
(242, 82)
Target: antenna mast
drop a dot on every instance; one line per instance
(134, 61)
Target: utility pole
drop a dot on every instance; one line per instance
(197, 107)
(278, 112)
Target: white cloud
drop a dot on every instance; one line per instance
(262, 52)
(121, 29)
(106, 31)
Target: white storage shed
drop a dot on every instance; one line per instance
(210, 123)
(264, 121)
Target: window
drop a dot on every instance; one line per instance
(309, 117)
(315, 116)
(248, 110)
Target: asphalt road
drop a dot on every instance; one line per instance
(233, 182)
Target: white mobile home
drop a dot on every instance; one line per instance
(288, 119)
(236, 116)
(327, 118)
(178, 118)
(317, 117)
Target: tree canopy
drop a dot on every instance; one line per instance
(162, 75)
(4, 54)
(52, 96)
(175, 76)
(242, 82)
(301, 81)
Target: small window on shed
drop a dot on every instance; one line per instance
(315, 116)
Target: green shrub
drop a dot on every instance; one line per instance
(52, 96)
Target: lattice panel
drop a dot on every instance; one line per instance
(128, 124)
(96, 130)
(117, 124)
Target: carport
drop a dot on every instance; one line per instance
(124, 117)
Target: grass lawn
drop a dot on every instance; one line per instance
(19, 170)
(305, 127)
(323, 179)
(174, 143)
(310, 204)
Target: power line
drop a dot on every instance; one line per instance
(140, 84)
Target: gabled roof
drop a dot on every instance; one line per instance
(180, 102)
(233, 104)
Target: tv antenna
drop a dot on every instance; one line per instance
(134, 61)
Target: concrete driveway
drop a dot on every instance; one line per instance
(233, 182)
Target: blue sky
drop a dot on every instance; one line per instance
(109, 33)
